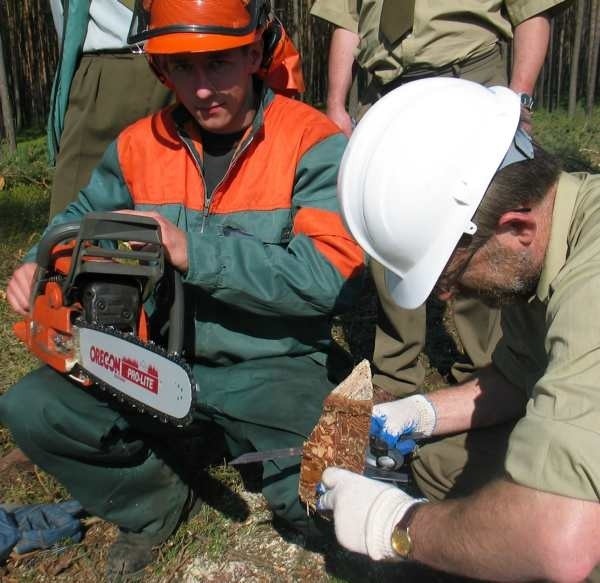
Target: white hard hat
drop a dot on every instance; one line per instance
(415, 171)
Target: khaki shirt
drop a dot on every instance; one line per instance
(442, 33)
(551, 349)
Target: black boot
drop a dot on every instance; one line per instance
(132, 552)
(128, 556)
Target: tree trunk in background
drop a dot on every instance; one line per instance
(5, 104)
(311, 37)
(559, 74)
(30, 50)
(550, 60)
(593, 57)
(591, 30)
(575, 58)
(540, 95)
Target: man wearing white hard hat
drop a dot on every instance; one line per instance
(467, 202)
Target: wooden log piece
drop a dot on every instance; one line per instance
(341, 436)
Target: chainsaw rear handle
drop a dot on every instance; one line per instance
(115, 227)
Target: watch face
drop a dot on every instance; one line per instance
(401, 542)
(527, 101)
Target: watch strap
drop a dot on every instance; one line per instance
(402, 528)
(527, 101)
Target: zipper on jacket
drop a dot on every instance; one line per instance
(236, 156)
(189, 145)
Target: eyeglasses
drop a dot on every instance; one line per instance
(451, 275)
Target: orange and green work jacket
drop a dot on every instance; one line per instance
(269, 257)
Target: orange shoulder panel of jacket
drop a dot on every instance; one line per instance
(155, 164)
(331, 239)
(266, 173)
(299, 118)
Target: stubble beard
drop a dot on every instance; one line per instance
(512, 276)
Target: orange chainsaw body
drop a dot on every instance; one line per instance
(89, 294)
(48, 330)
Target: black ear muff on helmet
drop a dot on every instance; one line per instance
(271, 38)
(264, 13)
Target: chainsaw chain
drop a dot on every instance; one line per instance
(141, 408)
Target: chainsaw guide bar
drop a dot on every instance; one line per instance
(122, 365)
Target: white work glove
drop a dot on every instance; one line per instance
(393, 421)
(365, 511)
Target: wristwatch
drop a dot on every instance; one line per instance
(401, 541)
(527, 101)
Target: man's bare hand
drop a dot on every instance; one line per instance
(174, 240)
(341, 118)
(19, 288)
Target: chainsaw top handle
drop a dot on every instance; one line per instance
(92, 255)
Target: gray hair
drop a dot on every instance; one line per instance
(517, 186)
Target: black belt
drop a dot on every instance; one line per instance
(133, 50)
(453, 70)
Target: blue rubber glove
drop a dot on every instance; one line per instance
(39, 526)
(9, 534)
(393, 421)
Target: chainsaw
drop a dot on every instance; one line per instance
(87, 318)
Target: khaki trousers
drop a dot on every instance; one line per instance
(400, 334)
(109, 92)
(458, 465)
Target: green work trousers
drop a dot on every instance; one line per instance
(400, 333)
(109, 92)
(127, 468)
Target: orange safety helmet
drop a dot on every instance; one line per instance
(194, 26)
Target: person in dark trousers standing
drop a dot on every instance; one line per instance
(102, 84)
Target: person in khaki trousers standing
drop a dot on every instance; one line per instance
(398, 42)
(101, 85)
